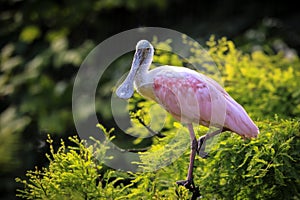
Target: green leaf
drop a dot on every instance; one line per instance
(30, 33)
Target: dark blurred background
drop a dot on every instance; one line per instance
(44, 42)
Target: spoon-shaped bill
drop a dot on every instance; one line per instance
(126, 89)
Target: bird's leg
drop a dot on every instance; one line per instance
(202, 142)
(189, 183)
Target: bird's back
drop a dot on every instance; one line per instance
(193, 97)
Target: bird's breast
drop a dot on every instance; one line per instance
(146, 90)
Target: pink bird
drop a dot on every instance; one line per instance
(189, 97)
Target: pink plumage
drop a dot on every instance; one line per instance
(188, 97)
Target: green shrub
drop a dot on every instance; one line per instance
(71, 174)
(264, 168)
(265, 83)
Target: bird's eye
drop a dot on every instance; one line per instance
(147, 49)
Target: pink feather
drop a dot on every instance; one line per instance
(188, 95)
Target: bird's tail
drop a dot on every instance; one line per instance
(239, 121)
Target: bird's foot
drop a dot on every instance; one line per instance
(201, 147)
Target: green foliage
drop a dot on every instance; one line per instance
(264, 168)
(9, 138)
(41, 48)
(265, 83)
(72, 174)
(31, 88)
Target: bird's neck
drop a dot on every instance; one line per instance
(144, 82)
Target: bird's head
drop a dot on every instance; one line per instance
(142, 60)
(143, 54)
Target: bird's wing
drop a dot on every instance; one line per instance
(183, 94)
(237, 118)
(192, 97)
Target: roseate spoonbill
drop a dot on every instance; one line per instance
(188, 96)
